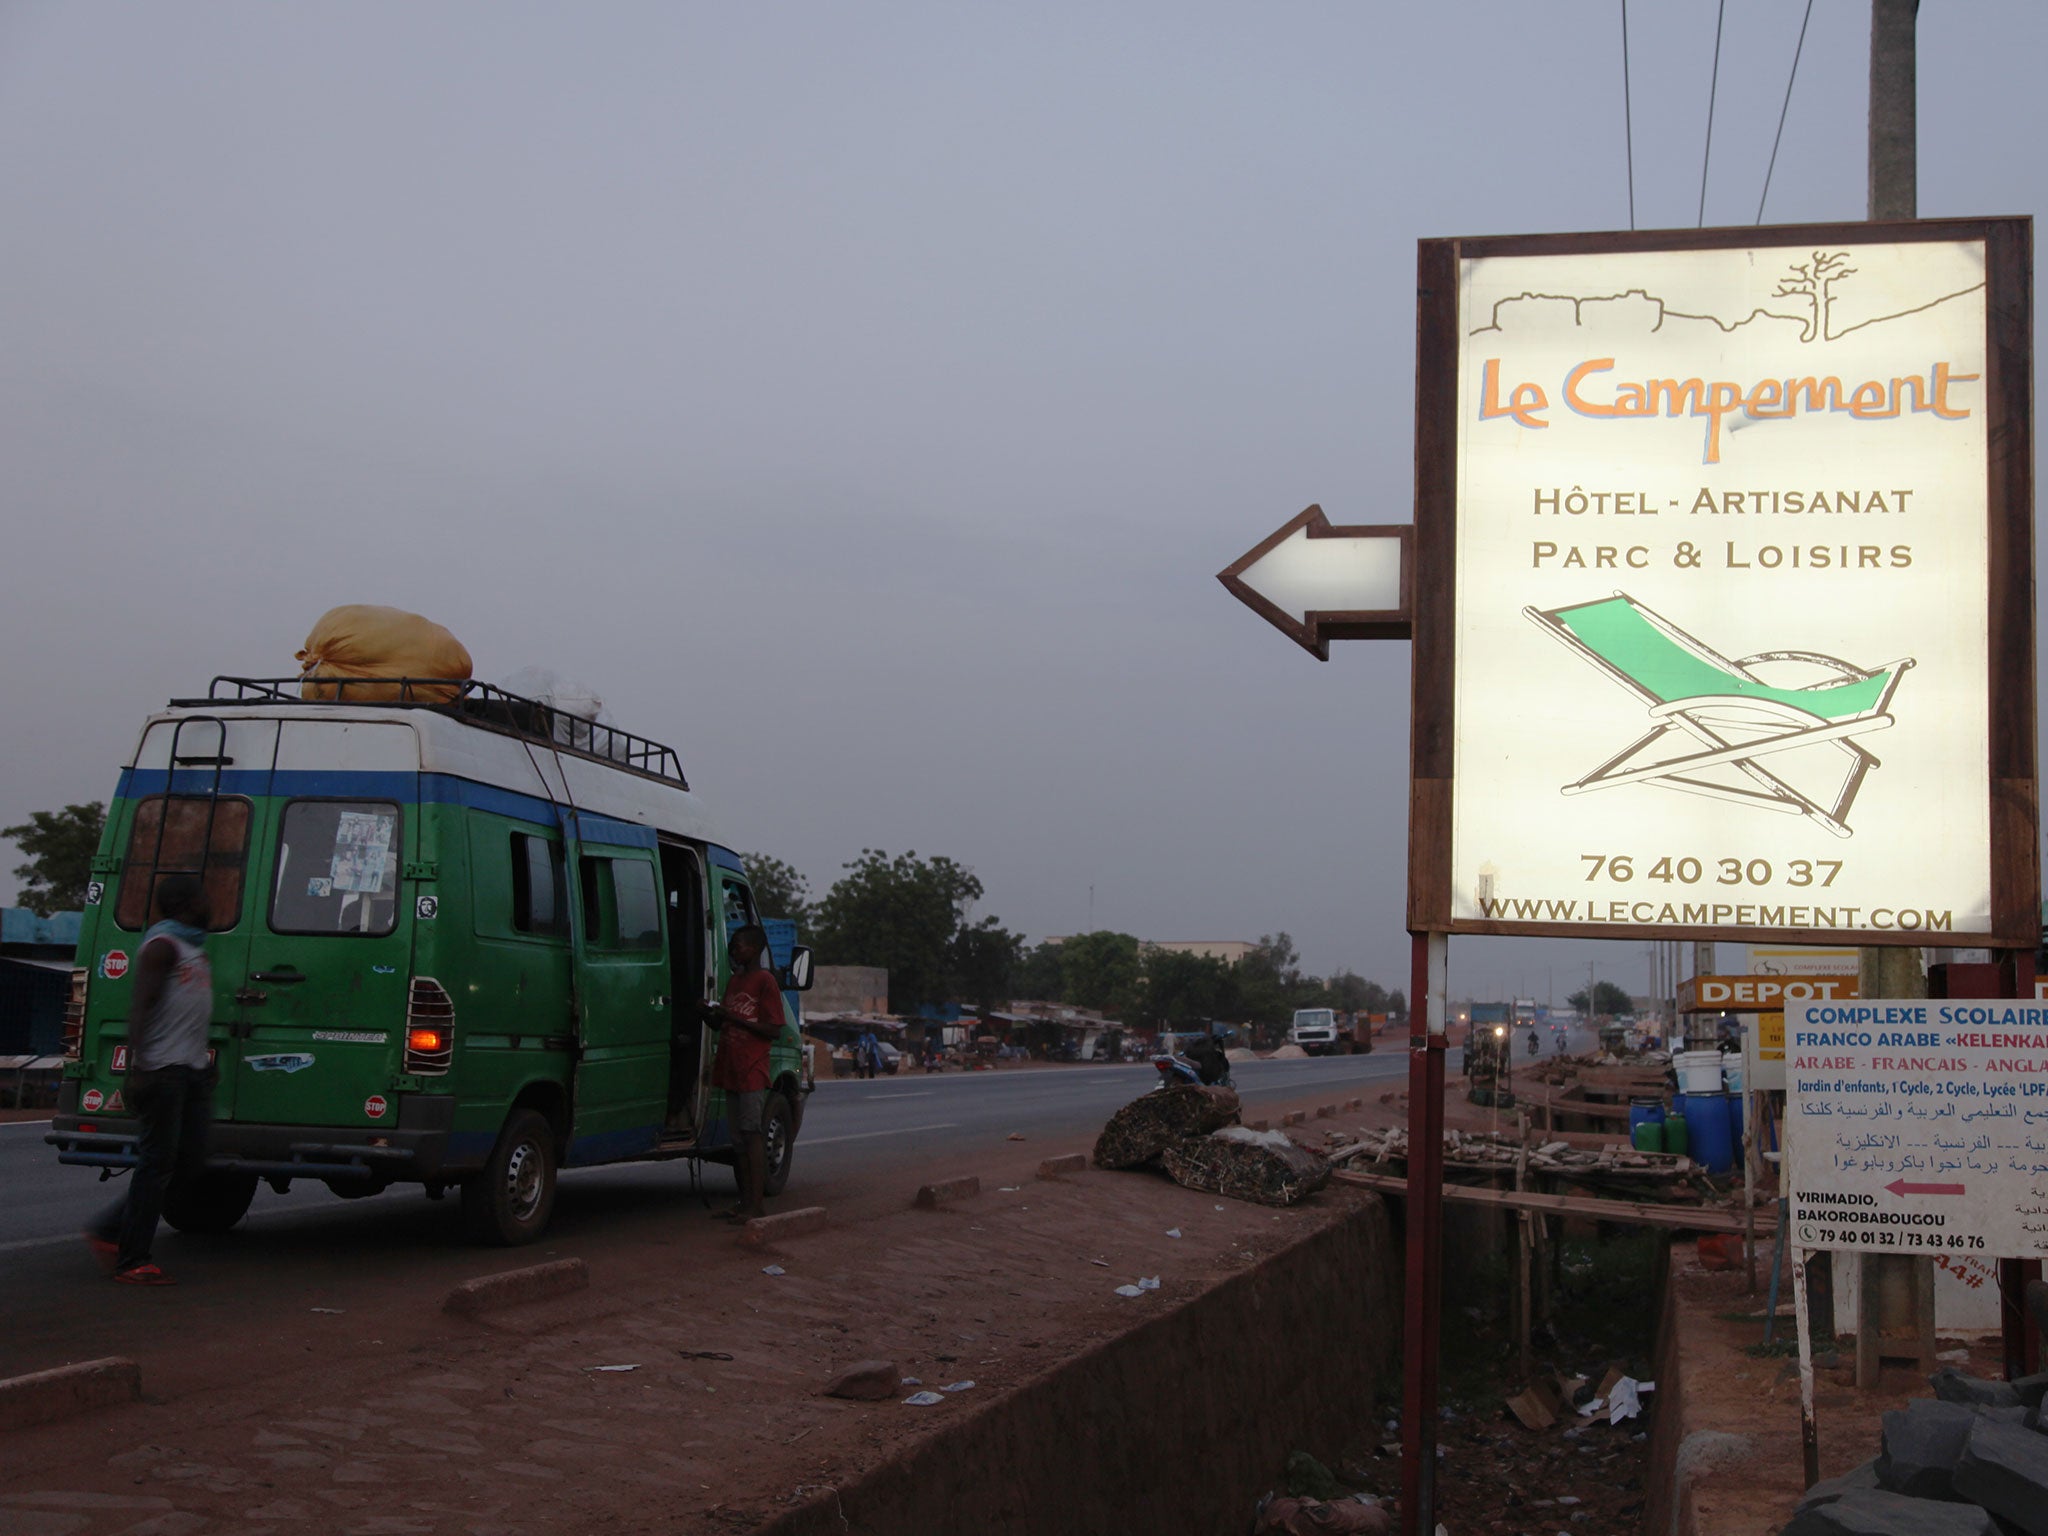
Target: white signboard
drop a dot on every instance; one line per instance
(1721, 614)
(1918, 1126)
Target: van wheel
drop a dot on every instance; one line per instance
(511, 1200)
(211, 1203)
(778, 1136)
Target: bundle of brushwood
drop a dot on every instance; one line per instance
(1148, 1125)
(1261, 1166)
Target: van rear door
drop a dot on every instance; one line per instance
(330, 952)
(194, 801)
(623, 992)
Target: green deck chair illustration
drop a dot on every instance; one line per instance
(1724, 717)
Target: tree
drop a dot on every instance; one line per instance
(1183, 991)
(986, 957)
(1269, 983)
(1038, 975)
(902, 913)
(779, 891)
(1100, 971)
(1607, 998)
(1814, 281)
(60, 846)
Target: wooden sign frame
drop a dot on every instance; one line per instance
(2011, 768)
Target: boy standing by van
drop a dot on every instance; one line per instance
(749, 1017)
(170, 1086)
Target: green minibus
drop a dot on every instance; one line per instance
(460, 939)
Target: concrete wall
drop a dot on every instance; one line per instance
(848, 989)
(1175, 1426)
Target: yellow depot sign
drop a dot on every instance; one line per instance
(1754, 994)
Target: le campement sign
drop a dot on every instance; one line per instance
(1721, 589)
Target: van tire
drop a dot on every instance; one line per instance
(211, 1203)
(510, 1201)
(778, 1136)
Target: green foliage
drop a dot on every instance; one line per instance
(903, 913)
(1607, 998)
(986, 958)
(779, 891)
(1185, 991)
(60, 846)
(1038, 975)
(1100, 971)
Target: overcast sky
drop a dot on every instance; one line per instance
(862, 398)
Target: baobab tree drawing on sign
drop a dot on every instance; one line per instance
(1814, 281)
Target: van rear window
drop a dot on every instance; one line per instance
(337, 868)
(538, 876)
(156, 849)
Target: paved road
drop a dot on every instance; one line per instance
(864, 1147)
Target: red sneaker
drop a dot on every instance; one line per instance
(142, 1274)
(109, 1254)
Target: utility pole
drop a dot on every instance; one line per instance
(1895, 1291)
(1885, 970)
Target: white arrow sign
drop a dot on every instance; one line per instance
(1316, 582)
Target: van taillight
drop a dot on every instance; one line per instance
(74, 1014)
(429, 1028)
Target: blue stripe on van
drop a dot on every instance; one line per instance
(359, 785)
(408, 788)
(725, 858)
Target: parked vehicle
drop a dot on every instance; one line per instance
(450, 948)
(1315, 1031)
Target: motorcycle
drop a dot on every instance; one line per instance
(1182, 1070)
(1535, 1045)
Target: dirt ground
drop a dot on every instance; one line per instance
(390, 1416)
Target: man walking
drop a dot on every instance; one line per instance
(169, 1084)
(749, 1017)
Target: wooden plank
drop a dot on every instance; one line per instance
(1685, 1218)
(1431, 755)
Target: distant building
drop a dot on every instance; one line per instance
(838, 989)
(35, 982)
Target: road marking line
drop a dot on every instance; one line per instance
(918, 1094)
(819, 1141)
(12, 1124)
(21, 1244)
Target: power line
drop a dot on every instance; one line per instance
(1713, 86)
(1787, 107)
(1628, 117)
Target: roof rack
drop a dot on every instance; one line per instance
(467, 699)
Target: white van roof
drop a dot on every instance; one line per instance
(479, 747)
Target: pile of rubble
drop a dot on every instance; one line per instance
(1192, 1134)
(1479, 1153)
(1970, 1461)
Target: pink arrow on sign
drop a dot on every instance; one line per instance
(1901, 1187)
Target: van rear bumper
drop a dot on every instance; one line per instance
(419, 1149)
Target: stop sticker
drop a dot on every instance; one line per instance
(92, 1101)
(114, 964)
(374, 1106)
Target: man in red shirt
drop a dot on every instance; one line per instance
(748, 1018)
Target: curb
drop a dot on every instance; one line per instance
(1326, 1111)
(1294, 1117)
(44, 1396)
(931, 1196)
(1073, 1162)
(536, 1282)
(764, 1230)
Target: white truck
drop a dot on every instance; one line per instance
(1315, 1031)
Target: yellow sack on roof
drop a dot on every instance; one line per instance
(361, 640)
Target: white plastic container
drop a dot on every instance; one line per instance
(1698, 1071)
(1732, 1073)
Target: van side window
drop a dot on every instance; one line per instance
(637, 903)
(538, 881)
(621, 907)
(739, 905)
(183, 839)
(337, 868)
